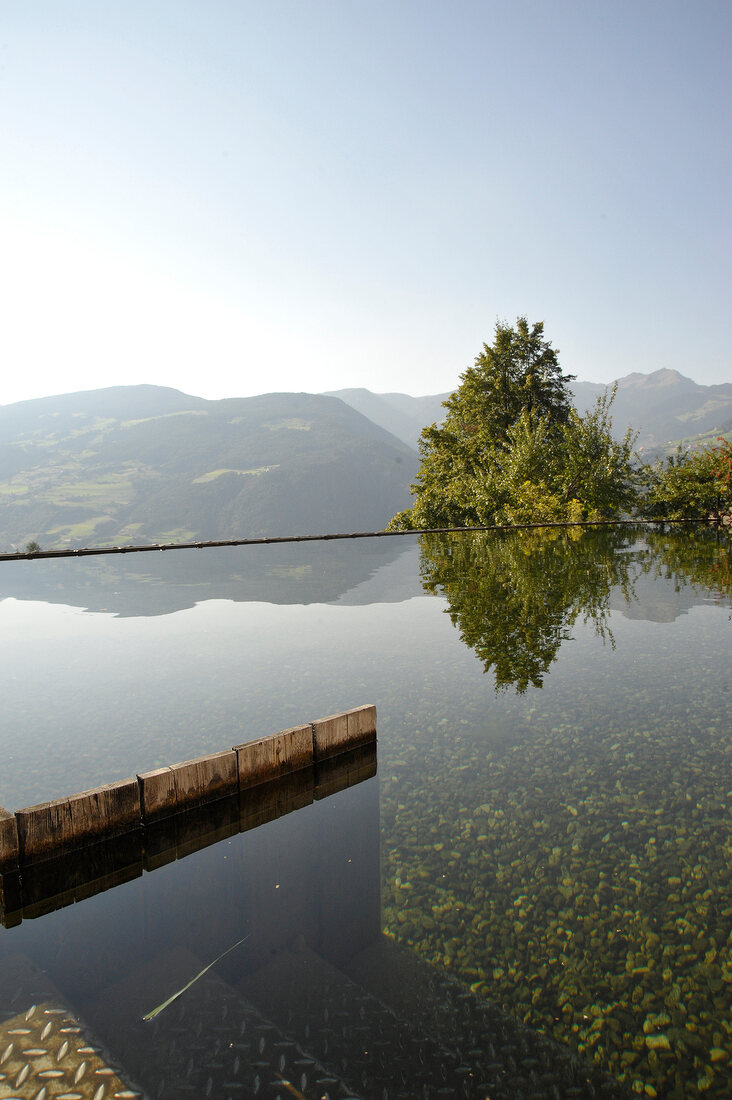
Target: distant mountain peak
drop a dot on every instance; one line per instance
(662, 377)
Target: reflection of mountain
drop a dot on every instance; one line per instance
(529, 585)
(682, 569)
(655, 600)
(393, 582)
(361, 572)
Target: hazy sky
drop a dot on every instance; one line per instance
(233, 197)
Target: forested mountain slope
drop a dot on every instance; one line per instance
(147, 464)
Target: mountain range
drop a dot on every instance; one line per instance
(664, 407)
(148, 464)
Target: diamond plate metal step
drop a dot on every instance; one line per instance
(508, 1060)
(393, 1028)
(45, 1051)
(379, 1053)
(209, 1044)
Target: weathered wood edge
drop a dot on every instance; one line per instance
(41, 832)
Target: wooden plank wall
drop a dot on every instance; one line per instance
(42, 832)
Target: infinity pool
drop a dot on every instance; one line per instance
(544, 858)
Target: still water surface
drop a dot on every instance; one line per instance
(549, 831)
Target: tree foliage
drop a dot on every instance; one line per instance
(691, 484)
(513, 450)
(518, 373)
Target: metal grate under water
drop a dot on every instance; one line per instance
(391, 1029)
(45, 1052)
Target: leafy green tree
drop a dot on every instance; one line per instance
(596, 468)
(691, 484)
(513, 450)
(519, 372)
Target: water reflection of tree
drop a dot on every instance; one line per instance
(699, 556)
(515, 596)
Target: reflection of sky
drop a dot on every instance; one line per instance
(89, 697)
(133, 693)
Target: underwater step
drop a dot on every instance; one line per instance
(44, 1048)
(509, 1059)
(206, 1042)
(379, 1053)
